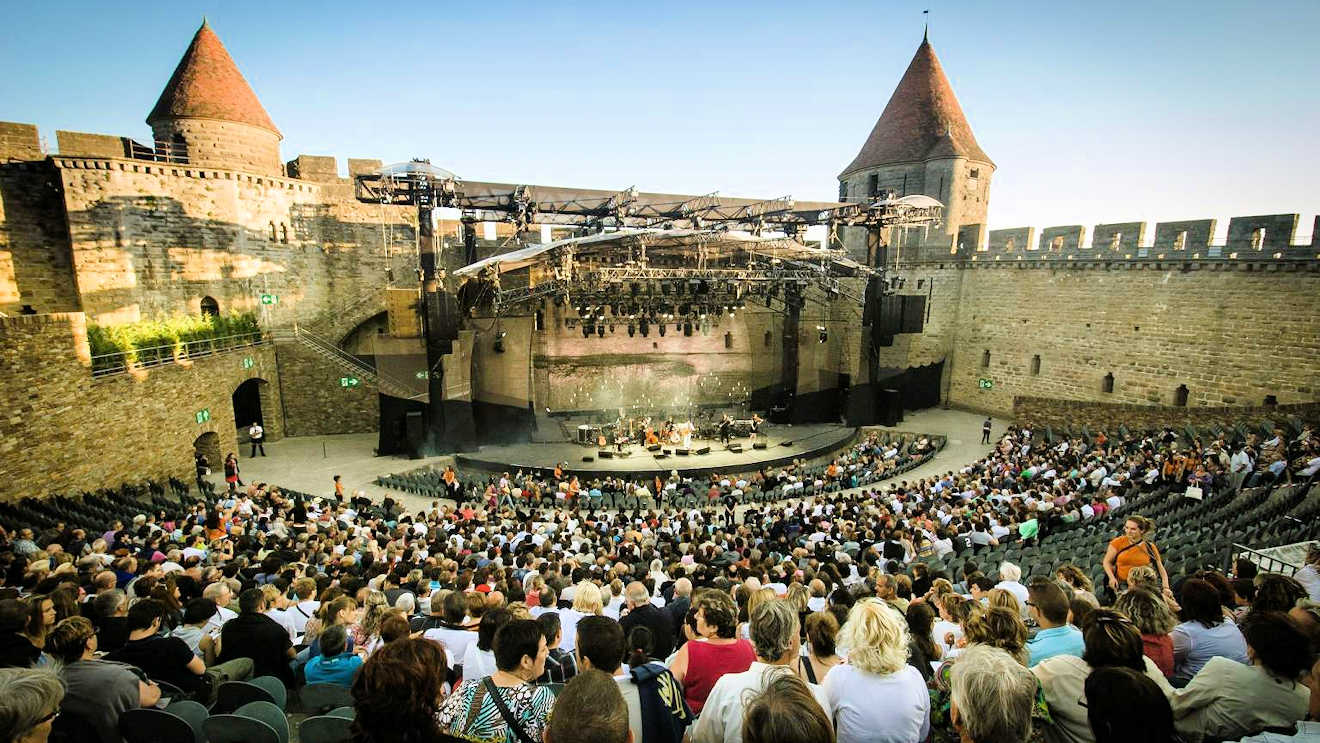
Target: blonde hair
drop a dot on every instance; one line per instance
(758, 597)
(1003, 598)
(875, 637)
(1144, 576)
(587, 599)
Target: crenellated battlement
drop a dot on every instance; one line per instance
(1254, 238)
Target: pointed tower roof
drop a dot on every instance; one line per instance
(922, 120)
(208, 85)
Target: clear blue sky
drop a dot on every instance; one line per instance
(1092, 112)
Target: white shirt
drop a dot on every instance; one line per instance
(456, 642)
(281, 617)
(477, 663)
(874, 708)
(300, 612)
(218, 619)
(1018, 590)
(1063, 678)
(1309, 577)
(721, 718)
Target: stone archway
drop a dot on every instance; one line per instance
(208, 445)
(255, 401)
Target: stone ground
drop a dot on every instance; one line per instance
(308, 463)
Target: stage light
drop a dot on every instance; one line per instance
(662, 330)
(586, 331)
(646, 330)
(824, 334)
(499, 342)
(632, 329)
(600, 330)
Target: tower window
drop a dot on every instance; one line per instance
(1180, 240)
(1180, 396)
(1107, 384)
(768, 339)
(985, 359)
(974, 173)
(1057, 243)
(1258, 238)
(873, 185)
(728, 340)
(1116, 241)
(843, 190)
(1035, 365)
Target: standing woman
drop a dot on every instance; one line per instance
(1133, 549)
(231, 472)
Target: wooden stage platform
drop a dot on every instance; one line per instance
(784, 444)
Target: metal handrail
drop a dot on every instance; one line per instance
(118, 362)
(1274, 563)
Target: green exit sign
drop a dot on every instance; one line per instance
(247, 362)
(269, 298)
(349, 382)
(422, 374)
(203, 415)
(985, 383)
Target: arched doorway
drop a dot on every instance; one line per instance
(247, 403)
(208, 445)
(210, 307)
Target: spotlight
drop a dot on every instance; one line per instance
(823, 333)
(687, 328)
(600, 330)
(499, 342)
(632, 330)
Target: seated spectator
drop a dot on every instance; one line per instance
(1111, 640)
(111, 611)
(559, 664)
(192, 630)
(876, 695)
(1204, 632)
(450, 630)
(1010, 577)
(256, 636)
(1048, 606)
(923, 652)
(1227, 700)
(167, 659)
(774, 630)
(471, 712)
(96, 691)
(1154, 620)
(397, 694)
(993, 697)
(1125, 706)
(717, 651)
(587, 601)
(29, 702)
(590, 709)
(479, 660)
(641, 612)
(656, 712)
(16, 650)
(820, 654)
(336, 664)
(1276, 592)
(786, 712)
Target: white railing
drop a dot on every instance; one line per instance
(120, 362)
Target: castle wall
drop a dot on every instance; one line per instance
(65, 432)
(19, 142)
(151, 239)
(1062, 414)
(1231, 333)
(316, 403)
(210, 143)
(36, 267)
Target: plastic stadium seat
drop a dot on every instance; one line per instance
(325, 729)
(269, 714)
(318, 699)
(151, 725)
(236, 729)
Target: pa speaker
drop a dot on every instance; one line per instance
(653, 447)
(682, 452)
(786, 443)
(667, 452)
(662, 455)
(759, 445)
(735, 447)
(914, 313)
(605, 454)
(891, 407)
(703, 450)
(588, 459)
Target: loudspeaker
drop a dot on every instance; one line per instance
(759, 445)
(682, 452)
(786, 443)
(662, 455)
(914, 313)
(623, 453)
(653, 447)
(735, 447)
(415, 433)
(588, 459)
(891, 407)
(605, 454)
(703, 450)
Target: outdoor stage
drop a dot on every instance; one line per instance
(784, 444)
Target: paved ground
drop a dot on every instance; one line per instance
(308, 463)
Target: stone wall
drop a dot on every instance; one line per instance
(151, 239)
(1231, 333)
(315, 403)
(1060, 414)
(36, 267)
(211, 143)
(19, 142)
(63, 431)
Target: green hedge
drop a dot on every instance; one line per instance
(154, 341)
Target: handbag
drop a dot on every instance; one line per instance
(1194, 492)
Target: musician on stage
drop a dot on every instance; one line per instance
(725, 426)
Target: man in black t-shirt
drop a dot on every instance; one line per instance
(167, 659)
(254, 635)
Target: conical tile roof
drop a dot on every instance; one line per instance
(208, 85)
(922, 120)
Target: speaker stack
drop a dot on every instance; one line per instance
(605, 454)
(703, 450)
(759, 445)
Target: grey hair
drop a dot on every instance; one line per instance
(994, 695)
(29, 694)
(774, 627)
(107, 603)
(636, 592)
(406, 602)
(1010, 572)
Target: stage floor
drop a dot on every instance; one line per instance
(785, 443)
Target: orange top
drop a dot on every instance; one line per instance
(1131, 555)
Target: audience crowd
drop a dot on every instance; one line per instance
(816, 617)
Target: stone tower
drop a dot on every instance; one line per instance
(922, 144)
(208, 115)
